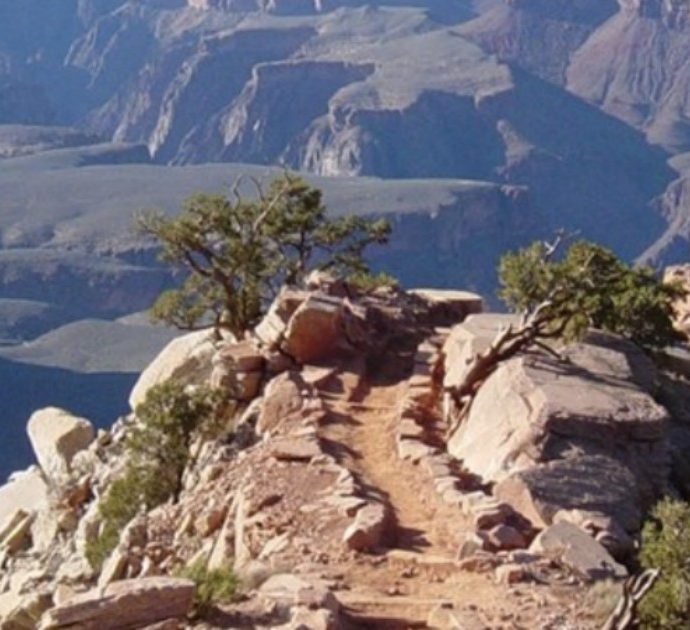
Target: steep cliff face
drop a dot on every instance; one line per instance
(538, 35)
(636, 68)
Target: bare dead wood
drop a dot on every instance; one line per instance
(624, 617)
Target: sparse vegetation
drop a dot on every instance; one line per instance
(666, 546)
(560, 297)
(238, 252)
(589, 286)
(158, 451)
(213, 586)
(366, 282)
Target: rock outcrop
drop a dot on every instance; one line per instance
(531, 430)
(186, 359)
(124, 604)
(335, 495)
(56, 437)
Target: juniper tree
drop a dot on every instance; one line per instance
(238, 251)
(559, 297)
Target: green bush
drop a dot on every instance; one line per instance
(213, 586)
(367, 282)
(666, 546)
(158, 451)
(588, 286)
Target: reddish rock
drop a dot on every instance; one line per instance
(315, 330)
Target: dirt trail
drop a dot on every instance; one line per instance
(400, 585)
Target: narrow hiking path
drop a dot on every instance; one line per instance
(364, 415)
(415, 573)
(415, 570)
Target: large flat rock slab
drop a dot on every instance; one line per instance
(535, 409)
(591, 483)
(123, 605)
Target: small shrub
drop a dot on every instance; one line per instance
(213, 586)
(367, 282)
(666, 546)
(158, 453)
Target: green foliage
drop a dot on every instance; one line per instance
(589, 287)
(213, 586)
(366, 281)
(666, 546)
(237, 252)
(157, 455)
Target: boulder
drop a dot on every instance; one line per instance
(123, 604)
(238, 368)
(287, 400)
(447, 307)
(22, 611)
(315, 330)
(447, 617)
(287, 590)
(26, 491)
(272, 327)
(471, 337)
(365, 533)
(535, 409)
(56, 436)
(186, 359)
(593, 483)
(579, 551)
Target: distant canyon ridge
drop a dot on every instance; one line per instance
(476, 126)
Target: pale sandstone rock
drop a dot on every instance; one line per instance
(367, 529)
(470, 545)
(505, 538)
(589, 482)
(448, 307)
(287, 590)
(237, 367)
(315, 330)
(114, 567)
(22, 611)
(413, 450)
(299, 449)
(186, 359)
(272, 327)
(26, 490)
(304, 618)
(465, 340)
(56, 436)
(602, 527)
(530, 402)
(579, 551)
(16, 531)
(123, 604)
(532, 410)
(446, 617)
